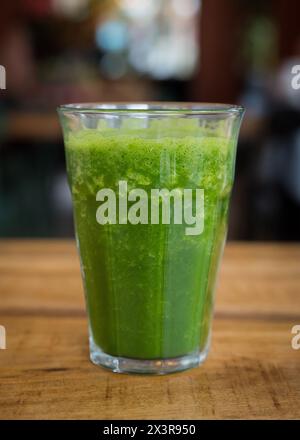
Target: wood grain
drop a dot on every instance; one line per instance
(251, 372)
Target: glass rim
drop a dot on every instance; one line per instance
(152, 108)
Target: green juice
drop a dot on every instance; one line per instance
(149, 287)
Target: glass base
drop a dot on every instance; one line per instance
(146, 366)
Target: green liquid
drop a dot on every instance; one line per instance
(149, 288)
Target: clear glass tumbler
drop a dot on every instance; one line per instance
(151, 185)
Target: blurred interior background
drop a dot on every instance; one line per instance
(235, 51)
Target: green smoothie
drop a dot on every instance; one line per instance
(149, 287)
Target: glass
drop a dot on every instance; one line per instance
(150, 186)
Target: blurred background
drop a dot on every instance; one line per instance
(235, 51)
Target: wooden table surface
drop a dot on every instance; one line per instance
(251, 372)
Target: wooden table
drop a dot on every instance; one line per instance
(251, 372)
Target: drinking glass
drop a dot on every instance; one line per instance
(150, 185)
